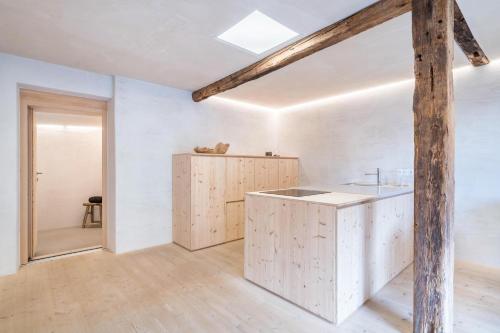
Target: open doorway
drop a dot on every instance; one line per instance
(63, 174)
(67, 182)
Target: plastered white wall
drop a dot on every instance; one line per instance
(146, 124)
(340, 141)
(335, 142)
(152, 122)
(69, 158)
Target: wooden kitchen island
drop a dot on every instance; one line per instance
(328, 253)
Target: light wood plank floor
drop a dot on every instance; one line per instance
(67, 239)
(168, 289)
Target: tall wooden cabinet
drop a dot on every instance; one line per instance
(209, 191)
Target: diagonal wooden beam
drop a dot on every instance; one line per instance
(365, 19)
(360, 21)
(466, 41)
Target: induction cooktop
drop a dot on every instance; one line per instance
(295, 192)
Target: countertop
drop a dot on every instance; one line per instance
(345, 195)
(236, 155)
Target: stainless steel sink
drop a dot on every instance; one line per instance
(295, 192)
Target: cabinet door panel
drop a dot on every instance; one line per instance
(235, 220)
(239, 178)
(207, 201)
(288, 173)
(266, 174)
(181, 200)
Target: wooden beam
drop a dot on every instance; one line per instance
(363, 20)
(432, 22)
(466, 41)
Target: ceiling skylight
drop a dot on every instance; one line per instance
(257, 33)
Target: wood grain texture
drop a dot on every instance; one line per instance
(235, 220)
(327, 260)
(208, 194)
(367, 18)
(169, 289)
(288, 173)
(465, 39)
(67, 240)
(239, 155)
(434, 165)
(374, 244)
(208, 225)
(289, 250)
(181, 200)
(240, 177)
(63, 103)
(266, 174)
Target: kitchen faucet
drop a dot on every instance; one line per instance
(375, 174)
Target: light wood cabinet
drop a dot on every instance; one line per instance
(235, 220)
(266, 174)
(209, 191)
(181, 200)
(207, 201)
(240, 177)
(326, 258)
(288, 171)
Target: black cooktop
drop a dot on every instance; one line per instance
(295, 192)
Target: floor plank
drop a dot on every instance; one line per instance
(169, 289)
(66, 239)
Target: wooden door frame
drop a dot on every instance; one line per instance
(58, 103)
(31, 146)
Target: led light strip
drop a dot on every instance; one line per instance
(330, 99)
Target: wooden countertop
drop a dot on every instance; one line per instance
(342, 199)
(236, 155)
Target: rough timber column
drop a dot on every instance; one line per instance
(434, 165)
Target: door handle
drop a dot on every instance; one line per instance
(39, 173)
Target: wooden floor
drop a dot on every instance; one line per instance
(66, 239)
(168, 289)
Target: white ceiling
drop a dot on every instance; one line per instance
(173, 42)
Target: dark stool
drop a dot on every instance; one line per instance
(90, 210)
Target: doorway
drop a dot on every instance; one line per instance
(63, 174)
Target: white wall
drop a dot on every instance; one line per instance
(152, 122)
(15, 71)
(147, 124)
(339, 141)
(69, 155)
(336, 143)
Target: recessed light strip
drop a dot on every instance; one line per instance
(330, 99)
(242, 104)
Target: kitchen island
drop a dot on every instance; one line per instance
(329, 252)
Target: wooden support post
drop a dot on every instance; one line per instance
(434, 165)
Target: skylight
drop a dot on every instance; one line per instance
(257, 33)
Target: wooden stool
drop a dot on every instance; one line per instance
(90, 210)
